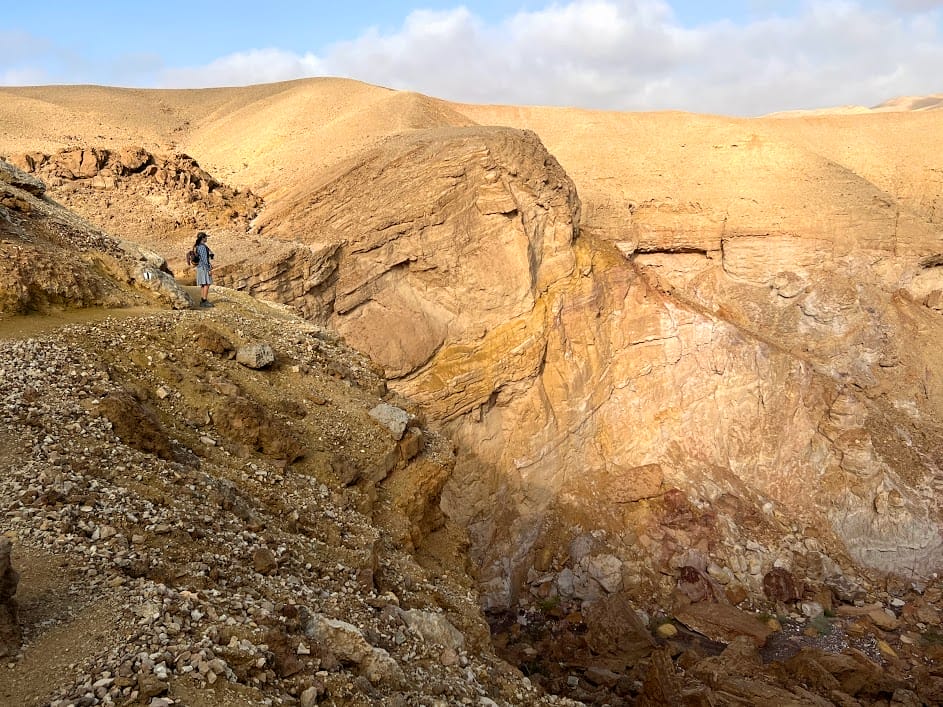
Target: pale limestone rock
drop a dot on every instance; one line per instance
(434, 628)
(348, 643)
(255, 355)
(811, 609)
(309, 698)
(148, 270)
(392, 418)
(607, 570)
(565, 582)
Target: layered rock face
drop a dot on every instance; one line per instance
(638, 391)
(164, 198)
(52, 259)
(434, 239)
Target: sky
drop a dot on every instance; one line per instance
(731, 57)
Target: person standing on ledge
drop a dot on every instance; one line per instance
(204, 266)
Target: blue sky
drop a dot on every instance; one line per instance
(736, 57)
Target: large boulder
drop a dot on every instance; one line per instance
(16, 177)
(349, 645)
(256, 355)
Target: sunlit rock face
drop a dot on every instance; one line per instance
(52, 260)
(744, 381)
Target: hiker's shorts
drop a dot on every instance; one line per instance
(203, 276)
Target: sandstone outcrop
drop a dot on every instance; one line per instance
(590, 367)
(688, 364)
(445, 265)
(52, 259)
(166, 193)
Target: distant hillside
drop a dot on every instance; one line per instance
(912, 103)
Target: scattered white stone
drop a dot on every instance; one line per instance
(392, 418)
(256, 355)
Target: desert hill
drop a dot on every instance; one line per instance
(688, 363)
(912, 103)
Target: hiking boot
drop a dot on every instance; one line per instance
(205, 303)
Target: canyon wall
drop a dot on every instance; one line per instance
(641, 387)
(658, 341)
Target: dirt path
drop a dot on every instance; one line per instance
(25, 326)
(61, 627)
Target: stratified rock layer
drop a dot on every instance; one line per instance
(742, 360)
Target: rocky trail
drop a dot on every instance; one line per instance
(171, 555)
(167, 556)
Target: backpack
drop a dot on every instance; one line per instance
(192, 257)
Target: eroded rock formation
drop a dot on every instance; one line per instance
(705, 386)
(164, 188)
(52, 259)
(645, 380)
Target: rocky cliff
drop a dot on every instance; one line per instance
(210, 507)
(53, 259)
(751, 358)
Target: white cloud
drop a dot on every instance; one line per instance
(917, 5)
(607, 54)
(21, 55)
(22, 76)
(241, 68)
(635, 55)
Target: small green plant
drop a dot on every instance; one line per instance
(549, 604)
(933, 636)
(821, 624)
